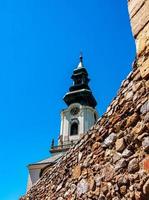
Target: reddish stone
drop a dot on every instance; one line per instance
(146, 164)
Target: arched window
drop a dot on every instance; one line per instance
(74, 128)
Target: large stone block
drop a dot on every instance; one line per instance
(140, 19)
(134, 6)
(144, 69)
(141, 44)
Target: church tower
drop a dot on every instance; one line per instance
(81, 113)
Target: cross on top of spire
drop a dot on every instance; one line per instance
(81, 57)
(80, 65)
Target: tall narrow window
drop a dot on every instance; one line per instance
(95, 117)
(74, 129)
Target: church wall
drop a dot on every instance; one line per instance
(33, 177)
(89, 119)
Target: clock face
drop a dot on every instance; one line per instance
(74, 111)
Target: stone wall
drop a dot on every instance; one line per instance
(139, 15)
(111, 162)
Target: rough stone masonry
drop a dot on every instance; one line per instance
(111, 162)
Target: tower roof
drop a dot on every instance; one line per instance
(80, 91)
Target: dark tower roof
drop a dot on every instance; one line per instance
(80, 92)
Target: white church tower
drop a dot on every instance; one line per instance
(76, 120)
(80, 114)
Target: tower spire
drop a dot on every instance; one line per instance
(80, 91)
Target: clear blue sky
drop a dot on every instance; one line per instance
(40, 42)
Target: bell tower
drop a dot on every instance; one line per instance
(81, 113)
(76, 120)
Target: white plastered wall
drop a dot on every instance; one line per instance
(85, 118)
(34, 174)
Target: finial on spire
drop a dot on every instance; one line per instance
(81, 61)
(81, 56)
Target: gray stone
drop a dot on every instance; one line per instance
(98, 179)
(122, 181)
(82, 187)
(145, 143)
(133, 166)
(110, 139)
(116, 188)
(120, 164)
(145, 108)
(126, 153)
